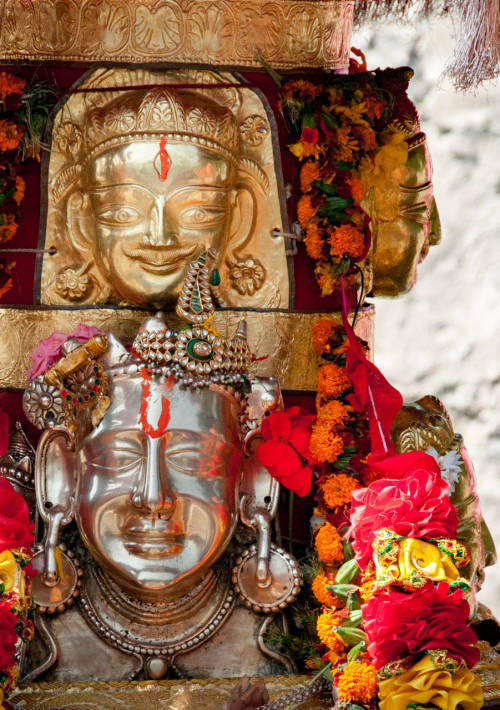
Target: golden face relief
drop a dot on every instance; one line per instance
(405, 226)
(141, 181)
(147, 230)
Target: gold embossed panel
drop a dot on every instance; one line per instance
(210, 694)
(287, 33)
(283, 339)
(149, 169)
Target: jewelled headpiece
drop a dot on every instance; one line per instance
(197, 355)
(75, 389)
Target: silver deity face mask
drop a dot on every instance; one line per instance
(158, 483)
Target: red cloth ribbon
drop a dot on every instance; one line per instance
(372, 393)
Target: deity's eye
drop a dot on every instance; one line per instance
(196, 216)
(119, 215)
(119, 460)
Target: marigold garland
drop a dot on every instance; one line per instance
(325, 624)
(337, 489)
(322, 594)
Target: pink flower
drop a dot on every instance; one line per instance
(415, 505)
(49, 350)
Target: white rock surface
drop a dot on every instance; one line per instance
(444, 337)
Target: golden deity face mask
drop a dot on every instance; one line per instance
(141, 182)
(405, 223)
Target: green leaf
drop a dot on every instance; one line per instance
(351, 636)
(355, 651)
(326, 187)
(342, 165)
(330, 120)
(308, 120)
(341, 590)
(354, 619)
(347, 572)
(332, 209)
(278, 80)
(341, 268)
(353, 603)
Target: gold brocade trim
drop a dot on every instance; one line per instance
(283, 338)
(207, 694)
(288, 33)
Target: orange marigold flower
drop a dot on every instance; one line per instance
(332, 380)
(335, 658)
(10, 84)
(324, 627)
(357, 683)
(337, 489)
(323, 329)
(346, 240)
(305, 210)
(328, 544)
(324, 444)
(357, 189)
(300, 88)
(308, 173)
(20, 188)
(314, 241)
(10, 135)
(333, 413)
(323, 595)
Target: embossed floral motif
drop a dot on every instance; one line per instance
(254, 129)
(202, 121)
(72, 284)
(247, 276)
(119, 119)
(68, 138)
(157, 29)
(205, 25)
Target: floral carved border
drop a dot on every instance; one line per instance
(288, 33)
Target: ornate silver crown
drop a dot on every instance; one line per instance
(196, 355)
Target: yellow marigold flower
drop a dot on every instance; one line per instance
(328, 545)
(325, 445)
(308, 173)
(8, 566)
(358, 682)
(324, 627)
(332, 380)
(314, 241)
(337, 489)
(346, 240)
(325, 280)
(323, 595)
(333, 413)
(305, 210)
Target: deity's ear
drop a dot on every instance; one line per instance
(80, 224)
(258, 488)
(243, 218)
(55, 484)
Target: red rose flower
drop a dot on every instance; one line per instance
(8, 636)
(16, 531)
(285, 453)
(399, 625)
(309, 135)
(415, 505)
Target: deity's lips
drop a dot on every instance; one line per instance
(159, 259)
(154, 537)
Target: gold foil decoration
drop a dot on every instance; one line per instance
(284, 339)
(142, 181)
(287, 33)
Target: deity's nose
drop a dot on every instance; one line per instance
(161, 232)
(152, 491)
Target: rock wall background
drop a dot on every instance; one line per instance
(443, 338)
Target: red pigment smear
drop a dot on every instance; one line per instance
(147, 428)
(165, 161)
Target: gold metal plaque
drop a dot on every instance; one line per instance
(226, 33)
(283, 339)
(148, 169)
